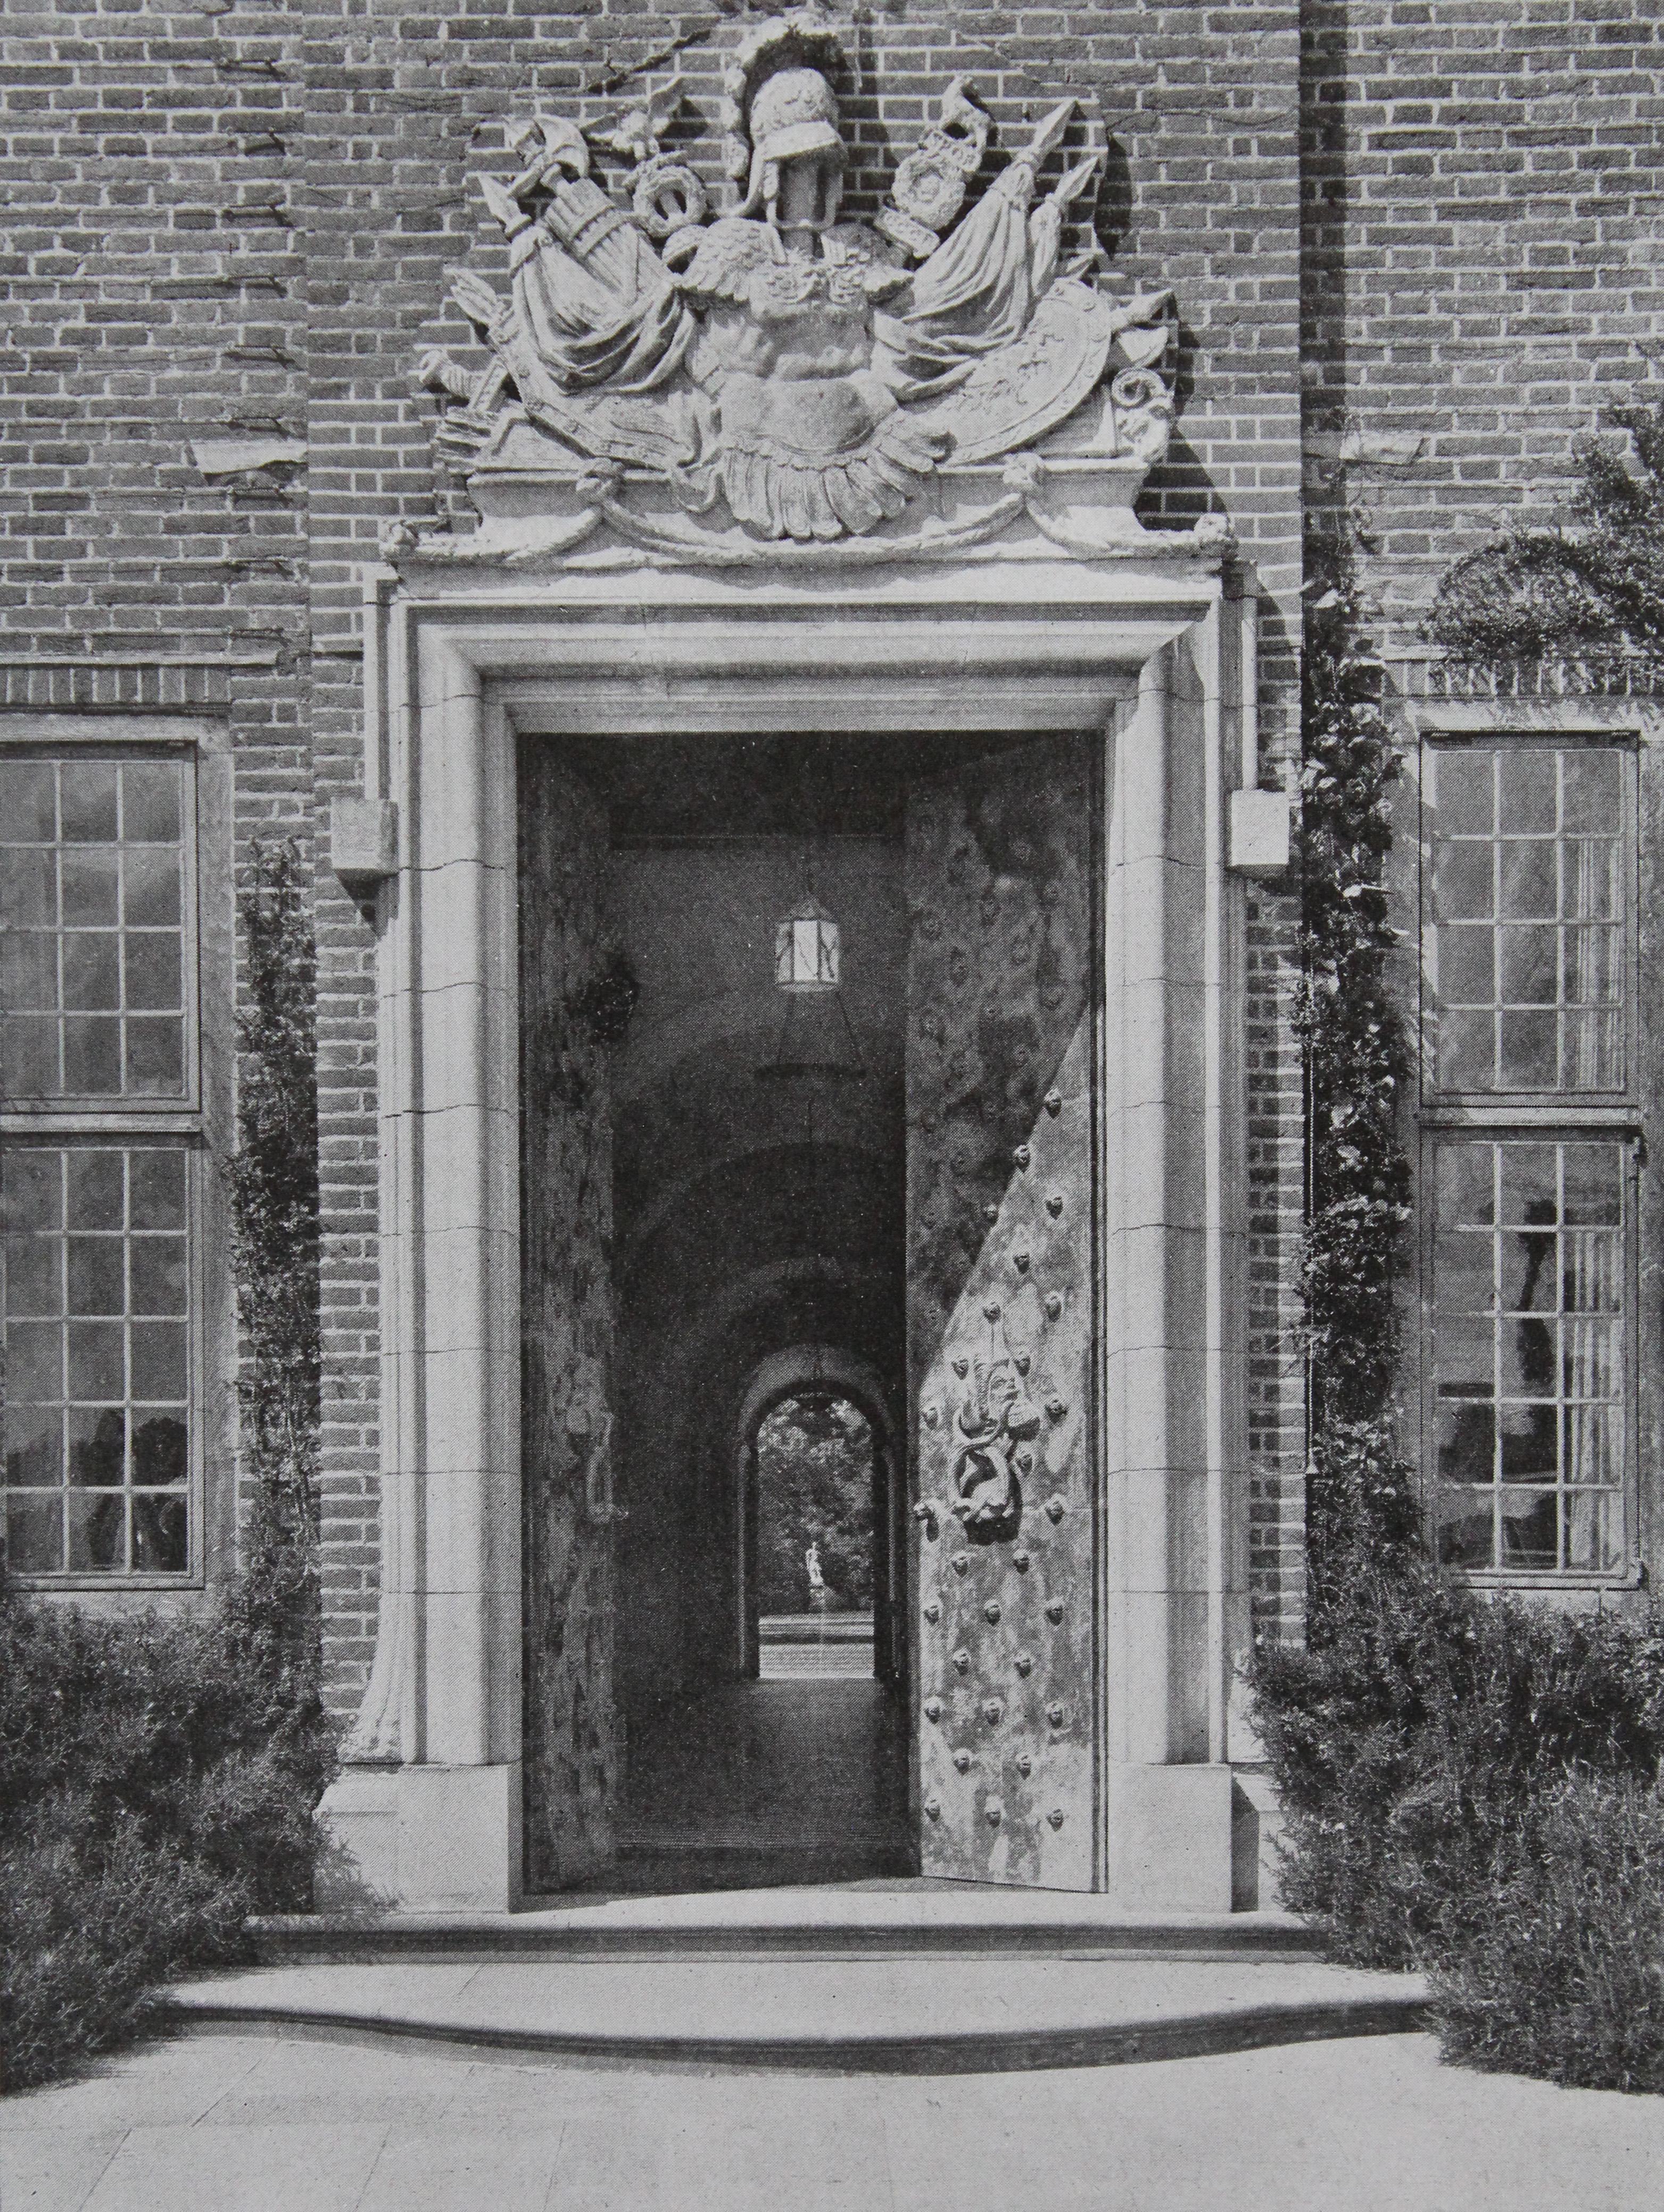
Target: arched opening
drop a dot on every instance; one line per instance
(812, 1460)
(815, 1519)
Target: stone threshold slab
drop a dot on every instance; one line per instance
(844, 1920)
(916, 2016)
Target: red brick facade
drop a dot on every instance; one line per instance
(1482, 194)
(1428, 227)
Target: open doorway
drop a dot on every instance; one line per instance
(732, 1328)
(812, 1457)
(820, 1507)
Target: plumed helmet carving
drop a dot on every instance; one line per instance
(795, 112)
(778, 88)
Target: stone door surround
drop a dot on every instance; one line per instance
(1150, 654)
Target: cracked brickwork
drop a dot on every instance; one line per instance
(1483, 262)
(235, 223)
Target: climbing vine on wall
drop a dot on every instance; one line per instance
(274, 1208)
(1356, 1253)
(1594, 584)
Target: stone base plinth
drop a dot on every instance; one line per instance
(425, 1838)
(1170, 1838)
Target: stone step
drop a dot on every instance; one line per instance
(854, 1921)
(917, 2015)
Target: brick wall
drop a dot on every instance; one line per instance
(1200, 193)
(1482, 221)
(154, 300)
(235, 224)
(155, 305)
(1276, 1157)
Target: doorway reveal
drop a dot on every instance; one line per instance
(456, 1783)
(749, 1337)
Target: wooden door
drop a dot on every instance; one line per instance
(571, 994)
(1002, 986)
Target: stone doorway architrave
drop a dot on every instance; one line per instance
(1148, 651)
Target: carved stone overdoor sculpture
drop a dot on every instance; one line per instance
(754, 469)
(1001, 1136)
(772, 382)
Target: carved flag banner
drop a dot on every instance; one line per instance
(732, 387)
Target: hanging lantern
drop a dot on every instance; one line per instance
(806, 949)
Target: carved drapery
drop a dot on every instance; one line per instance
(776, 377)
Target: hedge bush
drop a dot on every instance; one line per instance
(157, 1778)
(1563, 1974)
(1410, 1744)
(1472, 1788)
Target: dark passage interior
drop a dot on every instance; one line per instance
(715, 952)
(759, 1204)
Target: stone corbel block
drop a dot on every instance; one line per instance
(363, 841)
(1259, 833)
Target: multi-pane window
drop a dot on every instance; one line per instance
(98, 1367)
(1526, 947)
(94, 882)
(1529, 1268)
(98, 1086)
(1527, 941)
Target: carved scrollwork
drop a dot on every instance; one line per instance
(774, 361)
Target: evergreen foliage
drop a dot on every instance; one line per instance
(1412, 1746)
(1564, 1975)
(274, 1200)
(273, 1177)
(157, 1778)
(1359, 1495)
(157, 1775)
(1593, 585)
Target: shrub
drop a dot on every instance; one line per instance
(1354, 1252)
(157, 1776)
(88, 1925)
(1412, 1744)
(1563, 1974)
(157, 1779)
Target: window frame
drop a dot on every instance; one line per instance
(1627, 1004)
(192, 1574)
(1444, 1117)
(1627, 1574)
(188, 1099)
(194, 1122)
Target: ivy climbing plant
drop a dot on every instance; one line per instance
(1593, 584)
(1361, 1504)
(273, 1177)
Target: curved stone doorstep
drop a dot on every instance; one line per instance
(1257, 2028)
(348, 1939)
(415, 1946)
